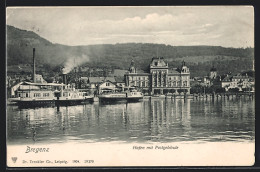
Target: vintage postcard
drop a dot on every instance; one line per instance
(105, 86)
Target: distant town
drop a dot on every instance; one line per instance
(161, 79)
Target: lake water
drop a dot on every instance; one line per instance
(147, 121)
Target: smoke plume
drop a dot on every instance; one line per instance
(73, 62)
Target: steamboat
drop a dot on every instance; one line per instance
(31, 94)
(71, 96)
(49, 94)
(127, 96)
(35, 94)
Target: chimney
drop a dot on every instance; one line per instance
(33, 75)
(64, 79)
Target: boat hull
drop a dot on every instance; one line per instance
(134, 99)
(35, 103)
(120, 99)
(113, 99)
(71, 102)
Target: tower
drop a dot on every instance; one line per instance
(184, 68)
(132, 68)
(213, 73)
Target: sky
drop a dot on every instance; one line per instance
(227, 26)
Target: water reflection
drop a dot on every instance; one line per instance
(148, 121)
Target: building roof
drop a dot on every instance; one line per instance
(227, 79)
(173, 71)
(84, 78)
(240, 77)
(138, 74)
(158, 62)
(139, 71)
(120, 79)
(105, 82)
(41, 84)
(119, 72)
(101, 79)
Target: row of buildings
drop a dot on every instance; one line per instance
(160, 79)
(241, 82)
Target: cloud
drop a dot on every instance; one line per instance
(225, 26)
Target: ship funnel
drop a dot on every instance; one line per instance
(34, 73)
(64, 79)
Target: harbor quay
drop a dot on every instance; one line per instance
(203, 96)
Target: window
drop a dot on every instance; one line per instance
(143, 84)
(107, 84)
(46, 94)
(35, 95)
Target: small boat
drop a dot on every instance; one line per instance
(134, 95)
(127, 96)
(113, 97)
(72, 96)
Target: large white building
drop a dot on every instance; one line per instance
(161, 79)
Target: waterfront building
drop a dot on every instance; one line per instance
(106, 86)
(207, 81)
(95, 81)
(213, 73)
(99, 85)
(120, 81)
(160, 79)
(238, 81)
(83, 82)
(212, 78)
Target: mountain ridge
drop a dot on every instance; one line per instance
(200, 58)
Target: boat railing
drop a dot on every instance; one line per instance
(108, 93)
